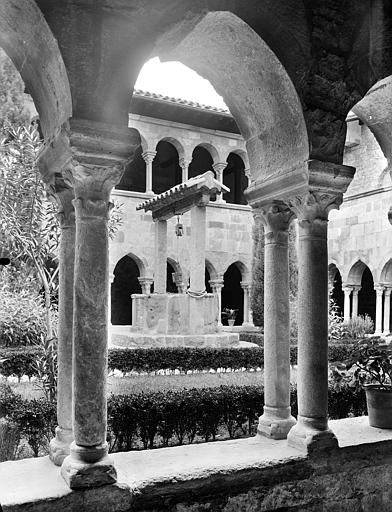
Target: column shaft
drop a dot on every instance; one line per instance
(276, 420)
(379, 296)
(346, 313)
(160, 263)
(312, 376)
(149, 158)
(387, 311)
(355, 303)
(198, 247)
(60, 445)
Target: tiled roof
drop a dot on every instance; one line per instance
(180, 101)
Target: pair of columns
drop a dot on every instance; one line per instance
(311, 207)
(350, 292)
(80, 445)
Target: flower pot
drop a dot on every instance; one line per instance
(379, 404)
(231, 321)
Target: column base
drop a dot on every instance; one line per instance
(276, 422)
(60, 445)
(312, 435)
(88, 466)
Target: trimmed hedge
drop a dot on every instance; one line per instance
(20, 361)
(153, 419)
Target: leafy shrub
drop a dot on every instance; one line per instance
(19, 361)
(21, 318)
(358, 326)
(252, 337)
(335, 322)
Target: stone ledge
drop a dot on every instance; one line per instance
(155, 478)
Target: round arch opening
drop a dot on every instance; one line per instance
(125, 283)
(232, 293)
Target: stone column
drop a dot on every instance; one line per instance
(387, 310)
(88, 464)
(217, 285)
(110, 282)
(148, 157)
(60, 444)
(184, 164)
(347, 293)
(311, 431)
(145, 283)
(219, 168)
(247, 318)
(354, 312)
(379, 293)
(160, 263)
(276, 420)
(198, 247)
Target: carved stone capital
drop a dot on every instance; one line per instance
(184, 163)
(219, 167)
(216, 284)
(60, 193)
(315, 205)
(246, 285)
(92, 186)
(379, 289)
(276, 217)
(149, 156)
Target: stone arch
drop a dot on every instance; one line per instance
(134, 177)
(242, 153)
(173, 266)
(166, 169)
(235, 179)
(361, 276)
(375, 110)
(28, 41)
(210, 274)
(202, 161)
(176, 143)
(125, 283)
(386, 273)
(223, 48)
(355, 273)
(232, 292)
(212, 151)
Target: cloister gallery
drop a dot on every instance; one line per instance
(290, 73)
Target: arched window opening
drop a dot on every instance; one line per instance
(336, 294)
(232, 293)
(166, 170)
(202, 162)
(234, 177)
(367, 295)
(125, 284)
(171, 286)
(134, 177)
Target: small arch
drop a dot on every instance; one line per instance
(355, 273)
(125, 284)
(176, 143)
(212, 151)
(202, 161)
(166, 170)
(235, 179)
(386, 273)
(172, 267)
(210, 273)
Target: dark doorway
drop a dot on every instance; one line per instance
(166, 170)
(233, 294)
(234, 177)
(367, 295)
(202, 162)
(125, 283)
(171, 286)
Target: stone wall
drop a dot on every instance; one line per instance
(360, 230)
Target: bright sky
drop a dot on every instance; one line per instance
(175, 79)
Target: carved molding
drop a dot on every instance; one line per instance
(276, 217)
(315, 205)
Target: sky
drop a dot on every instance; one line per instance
(175, 79)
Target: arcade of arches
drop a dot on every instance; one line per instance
(290, 73)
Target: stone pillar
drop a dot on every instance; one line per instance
(219, 168)
(276, 420)
(148, 157)
(184, 164)
(198, 248)
(60, 445)
(347, 293)
(160, 263)
(247, 317)
(379, 293)
(354, 312)
(387, 310)
(311, 431)
(110, 282)
(145, 283)
(88, 464)
(217, 285)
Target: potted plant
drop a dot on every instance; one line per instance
(370, 366)
(230, 314)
